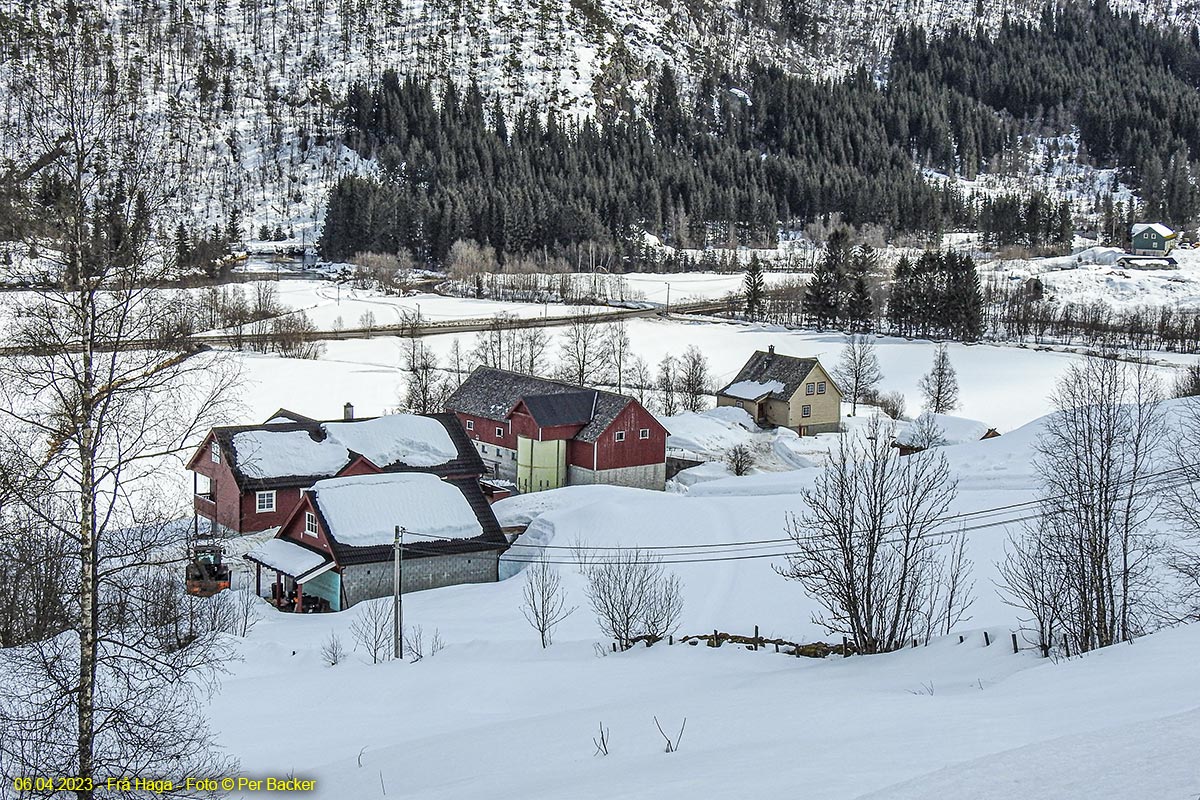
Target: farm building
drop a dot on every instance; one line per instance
(249, 478)
(786, 392)
(1152, 239)
(543, 434)
(337, 546)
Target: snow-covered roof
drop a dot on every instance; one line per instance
(364, 510)
(752, 390)
(1157, 227)
(274, 452)
(289, 558)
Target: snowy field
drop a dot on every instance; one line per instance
(1002, 386)
(946, 720)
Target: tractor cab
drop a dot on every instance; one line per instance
(206, 575)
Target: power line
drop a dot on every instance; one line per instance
(715, 548)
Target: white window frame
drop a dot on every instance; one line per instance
(619, 436)
(259, 497)
(499, 432)
(810, 388)
(821, 387)
(214, 452)
(470, 424)
(310, 524)
(740, 404)
(644, 433)
(806, 411)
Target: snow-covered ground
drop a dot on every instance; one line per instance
(946, 720)
(1091, 275)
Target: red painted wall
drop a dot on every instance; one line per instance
(225, 508)
(632, 452)
(285, 503)
(293, 528)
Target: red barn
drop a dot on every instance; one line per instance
(542, 434)
(249, 478)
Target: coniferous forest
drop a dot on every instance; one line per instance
(734, 157)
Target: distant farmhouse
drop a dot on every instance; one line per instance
(1152, 239)
(335, 491)
(543, 434)
(786, 392)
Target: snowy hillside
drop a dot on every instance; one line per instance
(249, 93)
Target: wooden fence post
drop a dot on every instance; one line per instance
(777, 647)
(1066, 646)
(756, 638)
(1016, 649)
(845, 647)
(670, 639)
(987, 641)
(960, 638)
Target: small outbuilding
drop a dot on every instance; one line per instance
(337, 547)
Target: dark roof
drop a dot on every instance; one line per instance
(766, 366)
(284, 414)
(492, 393)
(491, 539)
(466, 462)
(567, 408)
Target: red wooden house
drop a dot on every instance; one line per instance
(542, 434)
(249, 478)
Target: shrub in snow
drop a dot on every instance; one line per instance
(545, 600)
(332, 652)
(739, 459)
(632, 595)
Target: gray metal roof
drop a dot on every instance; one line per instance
(492, 393)
(567, 408)
(766, 366)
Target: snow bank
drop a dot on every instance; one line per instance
(364, 510)
(954, 430)
(709, 433)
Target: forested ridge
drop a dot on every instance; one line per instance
(741, 155)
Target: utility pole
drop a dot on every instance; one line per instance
(397, 606)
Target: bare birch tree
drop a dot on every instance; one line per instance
(372, 630)
(583, 358)
(104, 390)
(545, 600)
(1096, 460)
(695, 383)
(870, 549)
(858, 372)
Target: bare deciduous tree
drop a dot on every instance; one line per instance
(639, 378)
(545, 597)
(925, 433)
(425, 388)
(1095, 460)
(694, 381)
(664, 382)
(372, 630)
(617, 353)
(105, 387)
(868, 553)
(858, 371)
(940, 384)
(632, 594)
(583, 358)
(332, 651)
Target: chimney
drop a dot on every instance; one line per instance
(348, 412)
(770, 353)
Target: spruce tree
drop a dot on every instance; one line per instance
(754, 286)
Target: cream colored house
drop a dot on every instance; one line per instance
(787, 392)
